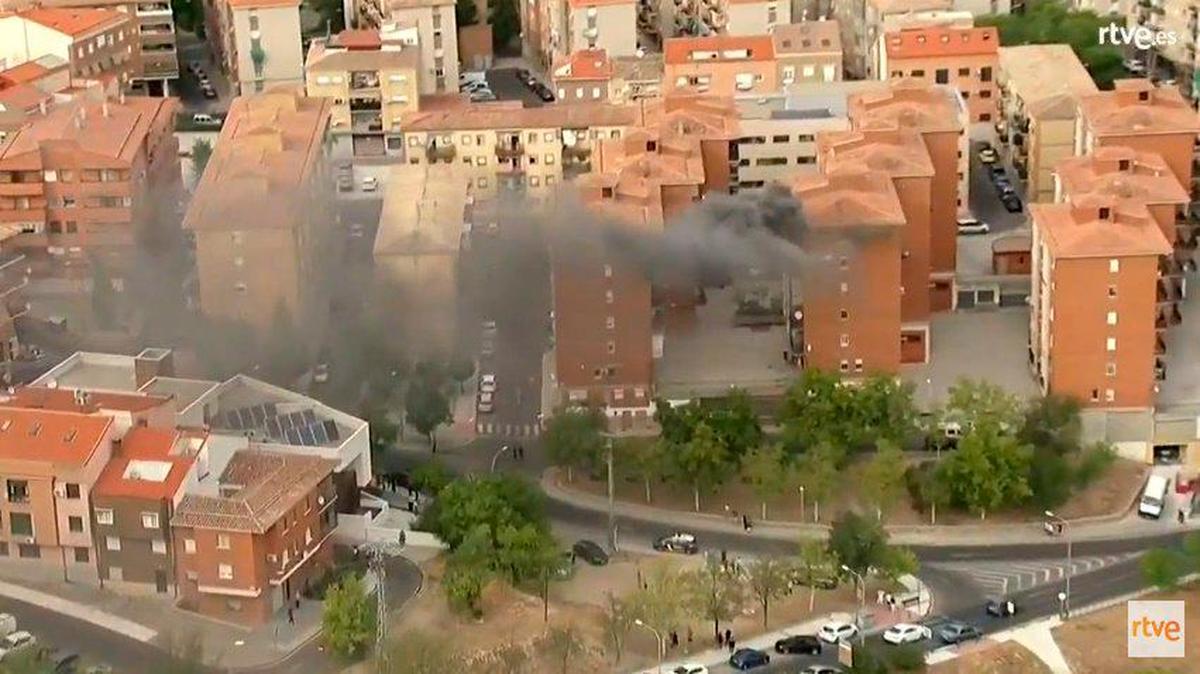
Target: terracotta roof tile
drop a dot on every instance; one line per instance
(942, 41)
(906, 104)
(149, 465)
(1077, 232)
(1145, 176)
(1138, 107)
(63, 438)
(75, 22)
(585, 64)
(68, 400)
(849, 199)
(897, 152)
(680, 50)
(84, 125)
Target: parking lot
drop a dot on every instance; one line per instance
(193, 50)
(506, 85)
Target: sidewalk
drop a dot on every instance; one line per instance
(1129, 526)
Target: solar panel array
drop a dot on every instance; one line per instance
(297, 428)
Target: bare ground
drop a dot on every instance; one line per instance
(1096, 643)
(993, 658)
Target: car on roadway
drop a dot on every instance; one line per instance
(487, 383)
(208, 92)
(489, 327)
(799, 643)
(678, 542)
(370, 183)
(590, 552)
(525, 77)
(1012, 203)
(1135, 66)
(973, 226)
(15, 643)
(543, 92)
(194, 67)
(748, 658)
(321, 373)
(482, 96)
(690, 668)
(837, 630)
(822, 669)
(1002, 185)
(906, 633)
(1000, 608)
(205, 119)
(997, 171)
(956, 633)
(345, 183)
(486, 403)
(987, 155)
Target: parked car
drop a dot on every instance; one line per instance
(203, 119)
(488, 347)
(15, 643)
(1135, 66)
(678, 542)
(321, 373)
(345, 183)
(525, 77)
(590, 552)
(489, 328)
(822, 669)
(987, 155)
(469, 76)
(482, 96)
(370, 183)
(208, 92)
(906, 633)
(357, 230)
(690, 668)
(972, 226)
(543, 92)
(8, 624)
(997, 171)
(194, 67)
(956, 633)
(1000, 608)
(1002, 185)
(487, 383)
(837, 630)
(748, 658)
(799, 643)
(1012, 203)
(486, 403)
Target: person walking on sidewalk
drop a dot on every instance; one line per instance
(291, 616)
(732, 644)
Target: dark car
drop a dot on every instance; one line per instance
(748, 658)
(525, 77)
(209, 92)
(799, 643)
(678, 542)
(543, 92)
(590, 552)
(996, 171)
(956, 633)
(1001, 608)
(1002, 185)
(1012, 203)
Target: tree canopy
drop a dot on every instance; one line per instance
(1052, 22)
(573, 439)
(348, 617)
(818, 409)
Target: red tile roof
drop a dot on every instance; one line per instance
(26, 72)
(357, 39)
(74, 21)
(66, 400)
(67, 438)
(585, 64)
(942, 41)
(679, 50)
(132, 472)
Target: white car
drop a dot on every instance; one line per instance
(485, 405)
(906, 633)
(690, 668)
(15, 643)
(1135, 66)
(482, 96)
(973, 226)
(987, 156)
(370, 184)
(487, 383)
(833, 632)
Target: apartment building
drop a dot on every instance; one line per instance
(721, 65)
(155, 57)
(89, 177)
(610, 25)
(50, 462)
(964, 58)
(939, 115)
(252, 537)
(1040, 90)
(256, 42)
(506, 145)
(585, 75)
(862, 21)
(900, 154)
(636, 78)
(808, 52)
(1138, 114)
(751, 17)
(416, 248)
(371, 84)
(260, 214)
(1094, 299)
(97, 43)
(132, 505)
(778, 137)
(845, 308)
(430, 27)
(1173, 17)
(127, 410)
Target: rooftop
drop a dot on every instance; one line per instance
(84, 402)
(423, 210)
(638, 69)
(585, 64)
(807, 37)
(899, 153)
(902, 6)
(262, 4)
(75, 21)
(798, 106)
(581, 4)
(681, 50)
(1123, 173)
(1136, 106)
(849, 199)
(1038, 72)
(96, 372)
(1070, 231)
(260, 486)
(184, 391)
(112, 129)
(456, 117)
(61, 438)
(907, 103)
(151, 464)
(273, 415)
(327, 57)
(942, 41)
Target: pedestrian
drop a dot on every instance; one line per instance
(720, 640)
(403, 538)
(724, 557)
(746, 522)
(291, 617)
(1180, 514)
(728, 635)
(689, 638)
(297, 603)
(879, 597)
(732, 644)
(674, 639)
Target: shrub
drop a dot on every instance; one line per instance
(1093, 463)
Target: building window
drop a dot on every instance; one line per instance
(918, 73)
(608, 297)
(1110, 369)
(222, 541)
(844, 263)
(612, 347)
(104, 516)
(112, 543)
(858, 364)
(29, 551)
(845, 287)
(189, 546)
(75, 523)
(72, 490)
(225, 571)
(610, 322)
(985, 74)
(149, 520)
(963, 72)
(1114, 265)
(844, 366)
(843, 314)
(844, 340)
(158, 546)
(18, 491)
(1109, 395)
(1110, 344)
(20, 524)
(941, 76)
(81, 555)
(1112, 292)
(607, 271)
(1112, 318)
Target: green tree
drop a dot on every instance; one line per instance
(573, 439)
(1052, 422)
(348, 617)
(506, 24)
(715, 593)
(764, 468)
(1050, 479)
(466, 13)
(647, 461)
(975, 402)
(460, 370)
(862, 545)
(816, 470)
(814, 565)
(1094, 461)
(188, 16)
(732, 419)
(431, 477)
(201, 153)
(492, 502)
(463, 584)
(618, 621)
(1051, 22)
(384, 431)
(883, 478)
(662, 603)
(427, 408)
(564, 645)
(1162, 568)
(768, 579)
(525, 552)
(990, 470)
(418, 653)
(703, 461)
(818, 408)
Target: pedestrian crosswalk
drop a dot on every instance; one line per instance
(507, 430)
(997, 578)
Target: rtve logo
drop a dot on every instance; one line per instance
(1155, 629)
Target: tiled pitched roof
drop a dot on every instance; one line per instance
(56, 437)
(74, 21)
(145, 447)
(67, 400)
(942, 41)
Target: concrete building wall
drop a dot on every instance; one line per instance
(278, 36)
(973, 76)
(721, 77)
(788, 147)
(437, 37)
(612, 27)
(756, 18)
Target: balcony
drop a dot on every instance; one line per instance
(366, 122)
(444, 151)
(510, 149)
(511, 167)
(154, 9)
(577, 152)
(1170, 291)
(364, 80)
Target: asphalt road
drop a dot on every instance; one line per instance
(504, 83)
(984, 200)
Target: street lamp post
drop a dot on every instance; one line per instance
(862, 590)
(496, 456)
(658, 636)
(802, 503)
(1066, 527)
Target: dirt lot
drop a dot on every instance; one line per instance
(993, 658)
(1096, 644)
(512, 617)
(1112, 494)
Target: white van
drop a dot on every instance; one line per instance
(8, 624)
(1154, 497)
